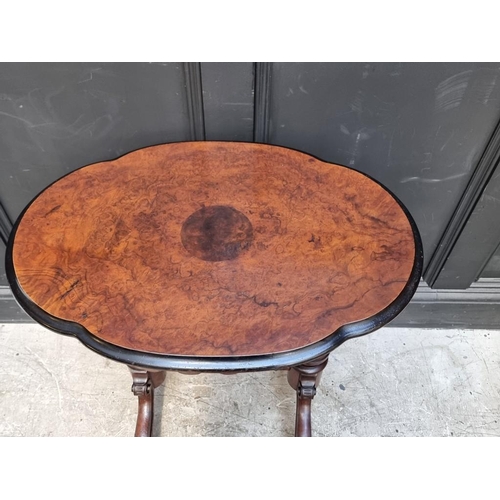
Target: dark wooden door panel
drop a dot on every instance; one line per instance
(228, 101)
(3, 278)
(492, 268)
(57, 117)
(418, 128)
(477, 243)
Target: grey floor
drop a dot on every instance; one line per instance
(395, 382)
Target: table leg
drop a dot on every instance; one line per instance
(305, 379)
(143, 386)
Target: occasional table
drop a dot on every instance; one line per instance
(215, 257)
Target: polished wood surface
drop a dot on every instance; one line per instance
(213, 249)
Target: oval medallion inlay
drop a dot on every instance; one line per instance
(216, 233)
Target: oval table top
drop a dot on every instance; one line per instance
(205, 250)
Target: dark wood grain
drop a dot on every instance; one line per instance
(104, 247)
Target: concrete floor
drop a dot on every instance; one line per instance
(395, 382)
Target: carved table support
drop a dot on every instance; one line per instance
(305, 380)
(143, 386)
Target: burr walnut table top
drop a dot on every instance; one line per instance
(214, 249)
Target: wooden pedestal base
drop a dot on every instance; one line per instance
(143, 386)
(305, 380)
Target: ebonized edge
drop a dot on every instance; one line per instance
(259, 362)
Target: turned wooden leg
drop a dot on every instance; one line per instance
(305, 379)
(143, 386)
